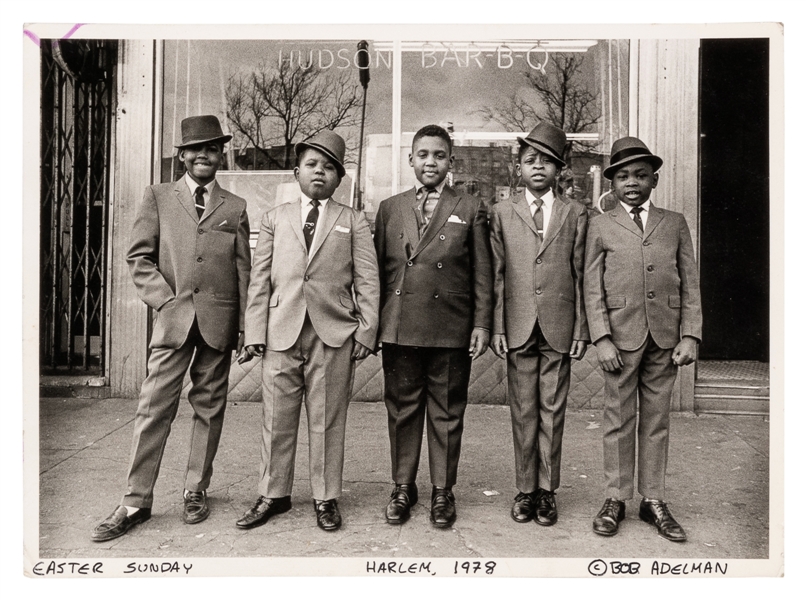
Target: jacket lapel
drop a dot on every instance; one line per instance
(185, 199)
(292, 213)
(558, 213)
(216, 200)
(409, 218)
(623, 219)
(521, 207)
(653, 219)
(447, 202)
(332, 212)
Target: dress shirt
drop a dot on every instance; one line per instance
(644, 214)
(548, 204)
(208, 190)
(305, 208)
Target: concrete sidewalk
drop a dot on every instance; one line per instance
(718, 488)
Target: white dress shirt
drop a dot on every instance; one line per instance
(548, 204)
(644, 214)
(208, 190)
(305, 208)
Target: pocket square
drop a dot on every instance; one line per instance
(341, 229)
(455, 219)
(224, 222)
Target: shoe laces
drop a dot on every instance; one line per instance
(611, 505)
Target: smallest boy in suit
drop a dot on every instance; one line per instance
(312, 308)
(538, 248)
(642, 297)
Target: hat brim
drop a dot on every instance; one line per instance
(223, 139)
(542, 148)
(300, 146)
(655, 161)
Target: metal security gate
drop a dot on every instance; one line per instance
(77, 111)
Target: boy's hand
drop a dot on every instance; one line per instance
(239, 346)
(578, 349)
(479, 340)
(360, 351)
(251, 351)
(685, 352)
(499, 345)
(609, 357)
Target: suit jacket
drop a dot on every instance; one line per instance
(539, 282)
(434, 290)
(641, 283)
(337, 287)
(187, 268)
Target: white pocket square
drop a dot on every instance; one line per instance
(341, 229)
(455, 219)
(224, 222)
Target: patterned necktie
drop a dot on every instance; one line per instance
(199, 196)
(310, 223)
(538, 218)
(636, 216)
(428, 198)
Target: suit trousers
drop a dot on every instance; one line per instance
(157, 407)
(322, 376)
(538, 379)
(642, 392)
(420, 382)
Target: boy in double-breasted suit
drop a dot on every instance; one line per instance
(642, 298)
(190, 261)
(436, 311)
(538, 246)
(312, 309)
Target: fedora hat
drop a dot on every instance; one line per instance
(629, 149)
(202, 129)
(548, 139)
(330, 143)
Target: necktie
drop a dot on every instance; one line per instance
(199, 195)
(310, 223)
(636, 216)
(428, 201)
(538, 218)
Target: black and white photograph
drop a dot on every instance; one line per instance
(451, 301)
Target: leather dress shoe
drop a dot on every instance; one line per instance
(656, 512)
(546, 510)
(263, 509)
(443, 507)
(404, 496)
(196, 509)
(328, 517)
(608, 518)
(118, 523)
(523, 510)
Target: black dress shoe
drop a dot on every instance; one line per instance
(523, 510)
(404, 496)
(655, 512)
(608, 518)
(118, 523)
(327, 514)
(443, 507)
(546, 510)
(263, 509)
(196, 509)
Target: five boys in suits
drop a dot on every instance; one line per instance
(538, 248)
(312, 309)
(433, 250)
(642, 300)
(190, 262)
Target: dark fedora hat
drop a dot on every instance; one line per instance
(330, 143)
(629, 149)
(548, 139)
(202, 129)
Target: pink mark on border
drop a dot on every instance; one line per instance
(35, 38)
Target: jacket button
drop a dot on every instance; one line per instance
(650, 295)
(646, 243)
(650, 268)
(307, 278)
(199, 259)
(409, 263)
(439, 265)
(442, 236)
(201, 230)
(538, 291)
(436, 295)
(539, 261)
(397, 292)
(196, 291)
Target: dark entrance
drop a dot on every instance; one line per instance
(735, 199)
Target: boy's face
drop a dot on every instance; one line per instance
(317, 174)
(202, 161)
(431, 160)
(538, 171)
(634, 182)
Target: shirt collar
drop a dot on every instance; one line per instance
(307, 201)
(439, 188)
(192, 185)
(629, 208)
(547, 198)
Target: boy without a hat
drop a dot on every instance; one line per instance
(312, 311)
(436, 312)
(642, 298)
